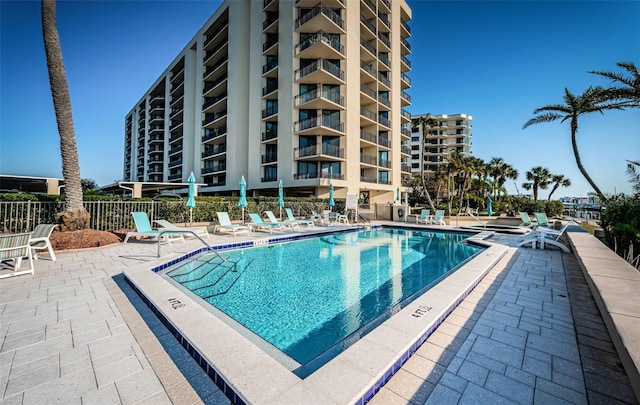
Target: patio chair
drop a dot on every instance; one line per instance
(40, 240)
(200, 230)
(258, 223)
(526, 220)
(274, 220)
(292, 218)
(438, 218)
(14, 247)
(224, 222)
(424, 218)
(542, 236)
(542, 219)
(143, 230)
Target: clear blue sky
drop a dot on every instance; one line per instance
(496, 61)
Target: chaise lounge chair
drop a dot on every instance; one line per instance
(542, 236)
(424, 218)
(13, 247)
(224, 222)
(143, 230)
(292, 218)
(258, 223)
(40, 240)
(542, 219)
(438, 218)
(200, 230)
(274, 220)
(526, 220)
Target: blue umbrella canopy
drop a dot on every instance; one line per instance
(280, 195)
(489, 208)
(398, 194)
(331, 202)
(191, 201)
(242, 202)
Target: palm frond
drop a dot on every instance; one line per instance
(548, 117)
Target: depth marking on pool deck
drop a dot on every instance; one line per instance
(421, 311)
(175, 303)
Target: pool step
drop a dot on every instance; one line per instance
(226, 281)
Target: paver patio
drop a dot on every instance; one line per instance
(528, 333)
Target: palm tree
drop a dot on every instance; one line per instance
(75, 215)
(575, 106)
(539, 178)
(558, 180)
(425, 122)
(629, 90)
(500, 171)
(633, 171)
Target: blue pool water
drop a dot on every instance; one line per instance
(306, 297)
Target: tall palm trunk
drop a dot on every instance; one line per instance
(574, 144)
(75, 216)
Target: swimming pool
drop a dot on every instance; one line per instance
(314, 297)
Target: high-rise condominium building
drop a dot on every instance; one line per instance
(430, 148)
(308, 92)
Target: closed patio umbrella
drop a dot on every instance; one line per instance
(489, 208)
(280, 198)
(242, 202)
(331, 201)
(191, 201)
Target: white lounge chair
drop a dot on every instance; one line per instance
(258, 223)
(14, 247)
(424, 218)
(542, 219)
(224, 222)
(292, 218)
(526, 220)
(40, 240)
(200, 230)
(438, 218)
(542, 236)
(143, 230)
(274, 220)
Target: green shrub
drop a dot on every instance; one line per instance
(620, 221)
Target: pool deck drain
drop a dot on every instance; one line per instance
(65, 335)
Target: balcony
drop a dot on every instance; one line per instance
(324, 15)
(319, 98)
(269, 111)
(175, 149)
(212, 133)
(271, 41)
(368, 136)
(321, 71)
(216, 150)
(384, 121)
(316, 175)
(406, 62)
(406, 44)
(405, 96)
(368, 159)
(212, 168)
(175, 124)
(269, 135)
(370, 26)
(368, 114)
(211, 117)
(175, 137)
(406, 79)
(175, 163)
(318, 150)
(322, 45)
(210, 101)
(269, 158)
(324, 125)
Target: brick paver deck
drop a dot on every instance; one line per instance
(529, 333)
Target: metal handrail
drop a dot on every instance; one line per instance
(194, 233)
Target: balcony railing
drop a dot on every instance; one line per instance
(320, 64)
(328, 122)
(368, 136)
(318, 93)
(175, 163)
(368, 113)
(405, 43)
(405, 60)
(405, 78)
(316, 175)
(210, 117)
(368, 68)
(371, 26)
(368, 46)
(210, 133)
(222, 148)
(320, 37)
(214, 168)
(269, 135)
(271, 110)
(321, 8)
(319, 149)
(405, 25)
(269, 158)
(368, 159)
(405, 96)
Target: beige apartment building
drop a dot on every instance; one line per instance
(451, 133)
(308, 92)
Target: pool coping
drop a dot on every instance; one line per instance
(246, 374)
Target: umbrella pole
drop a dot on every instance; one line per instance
(191, 216)
(242, 215)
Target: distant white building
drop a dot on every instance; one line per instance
(451, 133)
